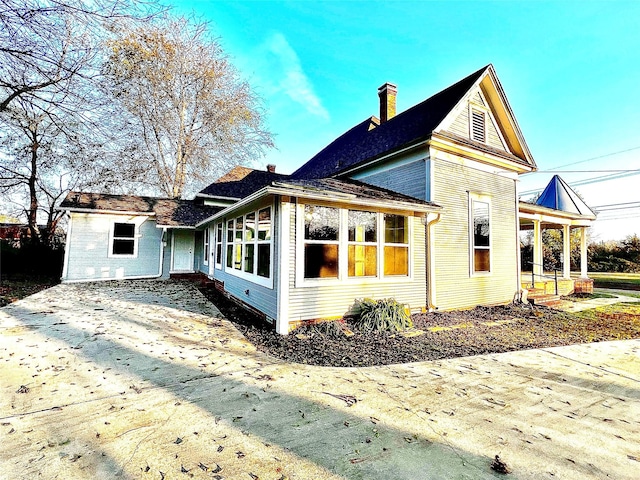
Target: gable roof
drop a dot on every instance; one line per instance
(558, 195)
(169, 212)
(239, 183)
(370, 140)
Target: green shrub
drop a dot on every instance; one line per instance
(381, 315)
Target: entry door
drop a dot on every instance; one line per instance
(183, 246)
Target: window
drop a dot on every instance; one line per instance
(230, 244)
(396, 245)
(337, 243)
(321, 229)
(478, 126)
(264, 243)
(480, 236)
(205, 246)
(363, 243)
(249, 246)
(123, 240)
(218, 241)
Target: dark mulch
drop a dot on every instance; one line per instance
(530, 327)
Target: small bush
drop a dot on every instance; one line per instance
(381, 315)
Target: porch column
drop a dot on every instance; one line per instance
(566, 251)
(537, 249)
(583, 252)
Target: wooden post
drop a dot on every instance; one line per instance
(566, 251)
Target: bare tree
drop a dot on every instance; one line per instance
(196, 117)
(46, 43)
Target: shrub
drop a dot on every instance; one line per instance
(381, 315)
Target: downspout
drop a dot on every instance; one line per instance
(431, 264)
(519, 293)
(65, 265)
(162, 245)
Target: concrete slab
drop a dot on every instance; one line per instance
(146, 380)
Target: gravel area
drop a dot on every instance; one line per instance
(435, 336)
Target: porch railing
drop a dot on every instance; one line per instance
(542, 275)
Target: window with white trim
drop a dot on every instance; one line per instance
(250, 246)
(363, 243)
(480, 234)
(321, 237)
(124, 242)
(396, 245)
(343, 244)
(205, 246)
(218, 243)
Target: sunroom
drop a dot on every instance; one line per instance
(304, 251)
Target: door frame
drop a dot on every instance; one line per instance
(173, 251)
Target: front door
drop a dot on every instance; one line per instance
(182, 251)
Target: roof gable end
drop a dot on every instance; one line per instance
(503, 132)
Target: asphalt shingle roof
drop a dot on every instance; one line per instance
(169, 212)
(352, 187)
(366, 141)
(241, 182)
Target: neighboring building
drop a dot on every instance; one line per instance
(421, 206)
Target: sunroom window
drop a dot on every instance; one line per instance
(218, 251)
(321, 237)
(249, 245)
(344, 244)
(363, 243)
(396, 245)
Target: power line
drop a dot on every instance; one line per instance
(588, 181)
(587, 160)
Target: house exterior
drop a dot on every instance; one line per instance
(421, 206)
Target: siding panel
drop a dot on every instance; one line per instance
(409, 179)
(455, 287)
(88, 249)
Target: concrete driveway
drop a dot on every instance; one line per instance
(146, 380)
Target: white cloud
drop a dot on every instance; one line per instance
(287, 76)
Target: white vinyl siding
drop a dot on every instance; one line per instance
(456, 287)
(89, 249)
(409, 179)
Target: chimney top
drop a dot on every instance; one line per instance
(271, 168)
(387, 93)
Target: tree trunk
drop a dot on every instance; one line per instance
(32, 213)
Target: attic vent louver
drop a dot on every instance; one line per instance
(477, 126)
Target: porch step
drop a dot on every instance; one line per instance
(548, 300)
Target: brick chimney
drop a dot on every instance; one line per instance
(387, 94)
(271, 168)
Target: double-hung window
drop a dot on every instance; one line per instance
(123, 239)
(480, 235)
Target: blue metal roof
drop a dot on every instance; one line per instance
(560, 196)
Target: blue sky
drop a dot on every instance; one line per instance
(571, 71)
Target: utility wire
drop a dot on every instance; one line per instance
(587, 160)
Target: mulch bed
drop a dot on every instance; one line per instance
(477, 331)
